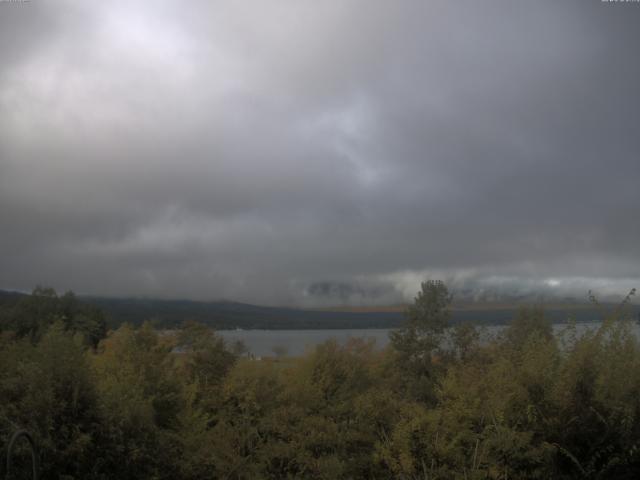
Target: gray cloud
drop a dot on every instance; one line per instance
(256, 151)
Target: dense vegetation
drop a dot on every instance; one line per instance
(437, 404)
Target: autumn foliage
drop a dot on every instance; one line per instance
(439, 403)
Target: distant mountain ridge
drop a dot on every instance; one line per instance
(231, 315)
(227, 315)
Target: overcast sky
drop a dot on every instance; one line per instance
(304, 152)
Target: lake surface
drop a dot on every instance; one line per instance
(297, 342)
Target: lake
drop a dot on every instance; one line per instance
(296, 342)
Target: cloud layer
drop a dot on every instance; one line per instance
(260, 150)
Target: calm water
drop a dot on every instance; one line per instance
(296, 342)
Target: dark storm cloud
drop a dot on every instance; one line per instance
(278, 152)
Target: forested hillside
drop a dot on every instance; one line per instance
(231, 315)
(437, 404)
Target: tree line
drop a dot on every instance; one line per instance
(439, 403)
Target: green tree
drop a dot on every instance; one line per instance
(141, 397)
(464, 340)
(48, 390)
(417, 343)
(205, 361)
(35, 313)
(529, 321)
